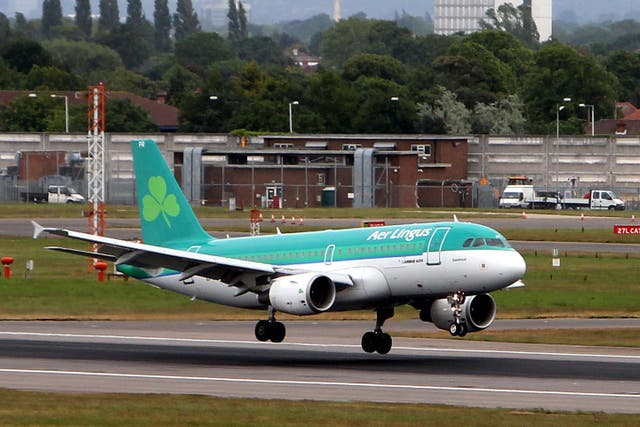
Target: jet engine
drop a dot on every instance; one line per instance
(302, 294)
(477, 312)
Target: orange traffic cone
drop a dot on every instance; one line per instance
(273, 218)
(301, 221)
(581, 217)
(260, 219)
(293, 220)
(524, 215)
(283, 220)
(633, 218)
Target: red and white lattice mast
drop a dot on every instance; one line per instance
(95, 165)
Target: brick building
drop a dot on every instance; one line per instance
(329, 170)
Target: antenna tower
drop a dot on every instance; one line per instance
(337, 10)
(95, 139)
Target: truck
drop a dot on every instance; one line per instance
(594, 199)
(54, 194)
(520, 193)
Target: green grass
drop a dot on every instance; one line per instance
(21, 408)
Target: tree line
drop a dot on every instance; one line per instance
(374, 76)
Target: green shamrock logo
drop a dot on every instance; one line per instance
(158, 202)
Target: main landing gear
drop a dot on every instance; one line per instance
(457, 327)
(270, 329)
(377, 340)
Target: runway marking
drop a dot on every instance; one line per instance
(298, 344)
(320, 383)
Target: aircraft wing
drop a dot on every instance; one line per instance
(227, 270)
(232, 271)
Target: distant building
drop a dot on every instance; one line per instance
(627, 121)
(463, 16)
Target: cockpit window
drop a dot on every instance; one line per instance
(495, 242)
(478, 242)
(467, 242)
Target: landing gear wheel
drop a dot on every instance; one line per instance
(369, 342)
(454, 329)
(384, 343)
(278, 332)
(462, 330)
(263, 330)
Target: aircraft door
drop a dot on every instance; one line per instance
(328, 254)
(435, 245)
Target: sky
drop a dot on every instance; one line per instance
(272, 11)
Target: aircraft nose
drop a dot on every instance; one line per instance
(514, 267)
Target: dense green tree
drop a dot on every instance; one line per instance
(185, 20)
(179, 83)
(419, 26)
(124, 116)
(474, 74)
(22, 54)
(384, 100)
(446, 113)
(83, 17)
(503, 117)
(162, 26)
(514, 20)
(263, 50)
(333, 99)
(52, 78)
(305, 29)
(25, 114)
(372, 65)
(198, 50)
(135, 14)
(25, 29)
(561, 71)
(90, 61)
(233, 31)
(243, 28)
(128, 41)
(625, 65)
(109, 15)
(51, 16)
(5, 29)
(507, 48)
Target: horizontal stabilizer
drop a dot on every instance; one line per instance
(89, 254)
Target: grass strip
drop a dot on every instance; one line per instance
(25, 408)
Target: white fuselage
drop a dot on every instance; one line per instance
(394, 280)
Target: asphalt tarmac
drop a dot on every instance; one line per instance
(317, 361)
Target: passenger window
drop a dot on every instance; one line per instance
(467, 242)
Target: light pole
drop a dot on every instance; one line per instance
(592, 115)
(558, 109)
(66, 110)
(291, 115)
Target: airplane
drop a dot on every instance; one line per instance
(446, 270)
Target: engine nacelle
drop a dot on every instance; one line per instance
(302, 294)
(478, 312)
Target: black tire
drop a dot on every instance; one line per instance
(263, 330)
(462, 330)
(369, 342)
(425, 315)
(384, 343)
(454, 329)
(278, 332)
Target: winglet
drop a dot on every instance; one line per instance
(37, 229)
(455, 218)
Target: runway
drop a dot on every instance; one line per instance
(317, 361)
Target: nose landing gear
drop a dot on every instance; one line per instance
(457, 327)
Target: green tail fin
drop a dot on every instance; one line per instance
(165, 214)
